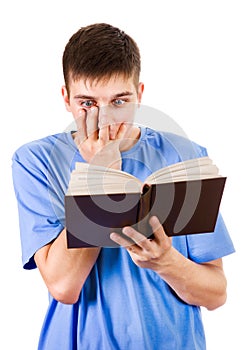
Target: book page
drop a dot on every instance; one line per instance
(193, 169)
(89, 179)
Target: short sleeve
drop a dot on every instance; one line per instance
(40, 202)
(210, 246)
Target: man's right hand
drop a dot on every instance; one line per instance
(99, 143)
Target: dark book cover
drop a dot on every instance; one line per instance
(185, 207)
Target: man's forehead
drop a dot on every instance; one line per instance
(113, 85)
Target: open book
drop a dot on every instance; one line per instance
(184, 196)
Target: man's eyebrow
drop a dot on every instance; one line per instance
(84, 97)
(124, 93)
(87, 97)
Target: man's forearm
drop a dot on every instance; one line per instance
(196, 284)
(65, 270)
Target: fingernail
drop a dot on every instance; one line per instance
(126, 230)
(154, 220)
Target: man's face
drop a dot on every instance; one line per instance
(116, 99)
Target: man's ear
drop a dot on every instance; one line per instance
(140, 92)
(66, 98)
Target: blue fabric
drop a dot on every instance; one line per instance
(121, 306)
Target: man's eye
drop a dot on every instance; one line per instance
(88, 104)
(118, 102)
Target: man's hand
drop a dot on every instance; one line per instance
(146, 253)
(99, 143)
(201, 284)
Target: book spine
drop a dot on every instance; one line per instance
(144, 211)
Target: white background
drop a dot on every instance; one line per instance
(196, 69)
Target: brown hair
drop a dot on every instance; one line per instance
(100, 51)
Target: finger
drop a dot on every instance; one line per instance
(104, 133)
(81, 133)
(122, 130)
(159, 233)
(92, 123)
(113, 130)
(139, 239)
(123, 242)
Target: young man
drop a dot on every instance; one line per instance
(146, 295)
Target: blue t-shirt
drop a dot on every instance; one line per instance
(121, 306)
